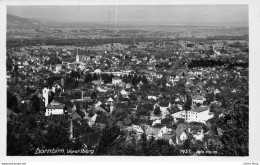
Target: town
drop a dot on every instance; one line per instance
(128, 92)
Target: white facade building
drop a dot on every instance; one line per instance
(180, 114)
(54, 109)
(116, 81)
(200, 114)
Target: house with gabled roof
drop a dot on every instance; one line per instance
(153, 131)
(164, 105)
(182, 133)
(150, 96)
(92, 120)
(176, 112)
(54, 108)
(111, 101)
(166, 133)
(78, 114)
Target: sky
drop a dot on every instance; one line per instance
(155, 14)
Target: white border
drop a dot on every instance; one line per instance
(254, 25)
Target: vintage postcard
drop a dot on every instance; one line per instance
(127, 79)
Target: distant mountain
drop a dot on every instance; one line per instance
(13, 20)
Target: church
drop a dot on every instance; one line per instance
(80, 59)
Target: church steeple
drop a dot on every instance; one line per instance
(77, 56)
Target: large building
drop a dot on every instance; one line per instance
(200, 114)
(54, 109)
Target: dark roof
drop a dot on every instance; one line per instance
(178, 97)
(125, 99)
(199, 109)
(148, 106)
(78, 114)
(138, 121)
(77, 95)
(158, 126)
(174, 109)
(68, 104)
(180, 128)
(60, 99)
(50, 106)
(103, 106)
(149, 122)
(164, 104)
(166, 121)
(102, 119)
(198, 97)
(62, 117)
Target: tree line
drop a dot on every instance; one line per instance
(214, 63)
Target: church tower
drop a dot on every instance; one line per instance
(77, 56)
(45, 94)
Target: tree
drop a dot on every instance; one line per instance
(94, 95)
(88, 78)
(9, 64)
(125, 79)
(50, 97)
(108, 136)
(163, 81)
(210, 98)
(187, 104)
(95, 77)
(135, 80)
(75, 74)
(27, 132)
(105, 78)
(12, 102)
(36, 103)
(157, 111)
(69, 82)
(144, 80)
(119, 114)
(54, 61)
(111, 77)
(235, 126)
(91, 113)
(186, 144)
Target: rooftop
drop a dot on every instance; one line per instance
(199, 109)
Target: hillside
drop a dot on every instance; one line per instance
(13, 20)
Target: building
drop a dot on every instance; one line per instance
(187, 131)
(58, 67)
(197, 100)
(116, 81)
(164, 105)
(45, 94)
(54, 109)
(200, 114)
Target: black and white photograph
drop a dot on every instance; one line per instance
(127, 80)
